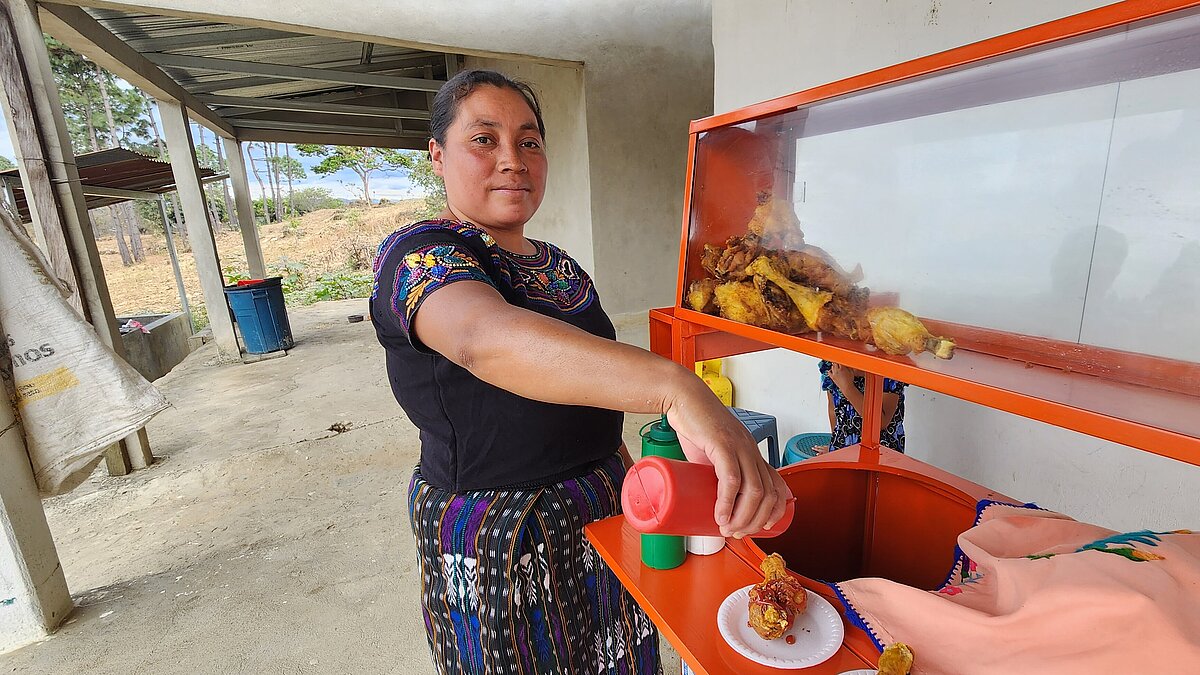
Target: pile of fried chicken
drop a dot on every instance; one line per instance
(769, 277)
(775, 600)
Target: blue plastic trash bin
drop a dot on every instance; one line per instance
(261, 315)
(800, 448)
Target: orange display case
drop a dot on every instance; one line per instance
(1027, 196)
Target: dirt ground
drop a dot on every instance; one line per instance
(261, 541)
(322, 241)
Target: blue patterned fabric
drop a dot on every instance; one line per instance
(847, 428)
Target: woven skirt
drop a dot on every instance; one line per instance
(510, 584)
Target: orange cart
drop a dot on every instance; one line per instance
(1035, 126)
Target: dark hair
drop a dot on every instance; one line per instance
(445, 104)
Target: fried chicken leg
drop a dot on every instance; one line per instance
(897, 332)
(808, 300)
(776, 600)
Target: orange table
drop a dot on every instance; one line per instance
(683, 602)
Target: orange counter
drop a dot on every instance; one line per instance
(858, 513)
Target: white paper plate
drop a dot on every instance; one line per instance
(818, 633)
(865, 671)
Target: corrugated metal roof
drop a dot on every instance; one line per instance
(152, 35)
(116, 168)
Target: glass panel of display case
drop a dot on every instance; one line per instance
(1053, 193)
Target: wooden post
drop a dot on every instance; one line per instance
(236, 162)
(178, 135)
(17, 84)
(52, 185)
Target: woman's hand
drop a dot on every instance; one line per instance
(751, 495)
(843, 376)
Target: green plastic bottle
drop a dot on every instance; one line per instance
(662, 551)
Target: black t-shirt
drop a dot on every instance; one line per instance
(474, 435)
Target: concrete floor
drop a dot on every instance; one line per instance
(261, 541)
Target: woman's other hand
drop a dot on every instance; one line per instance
(751, 495)
(843, 376)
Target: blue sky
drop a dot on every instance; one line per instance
(345, 183)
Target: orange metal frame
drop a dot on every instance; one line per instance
(687, 336)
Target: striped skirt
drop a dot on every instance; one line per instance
(510, 584)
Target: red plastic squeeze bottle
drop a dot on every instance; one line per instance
(666, 496)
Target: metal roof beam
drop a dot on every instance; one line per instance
(211, 86)
(98, 191)
(87, 36)
(295, 72)
(288, 125)
(211, 38)
(305, 106)
(278, 136)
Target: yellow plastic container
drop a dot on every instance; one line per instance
(710, 372)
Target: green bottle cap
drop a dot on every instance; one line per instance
(662, 432)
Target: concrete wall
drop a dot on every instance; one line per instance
(647, 71)
(765, 48)
(154, 354)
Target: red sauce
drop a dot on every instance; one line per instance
(791, 639)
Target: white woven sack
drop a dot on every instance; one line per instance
(73, 395)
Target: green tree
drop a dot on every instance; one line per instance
(420, 172)
(6, 163)
(364, 162)
(291, 169)
(101, 112)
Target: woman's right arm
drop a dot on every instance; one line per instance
(548, 360)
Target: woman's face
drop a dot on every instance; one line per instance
(493, 162)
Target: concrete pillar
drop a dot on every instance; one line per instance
(182, 150)
(34, 598)
(52, 188)
(236, 161)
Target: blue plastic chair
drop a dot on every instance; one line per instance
(801, 447)
(762, 427)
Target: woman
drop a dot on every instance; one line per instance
(846, 388)
(499, 351)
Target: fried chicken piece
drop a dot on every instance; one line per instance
(740, 301)
(781, 308)
(896, 659)
(776, 600)
(729, 263)
(897, 332)
(846, 315)
(775, 224)
(701, 296)
(808, 300)
(810, 269)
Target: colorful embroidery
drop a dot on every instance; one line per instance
(430, 268)
(1122, 545)
(548, 278)
(551, 278)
